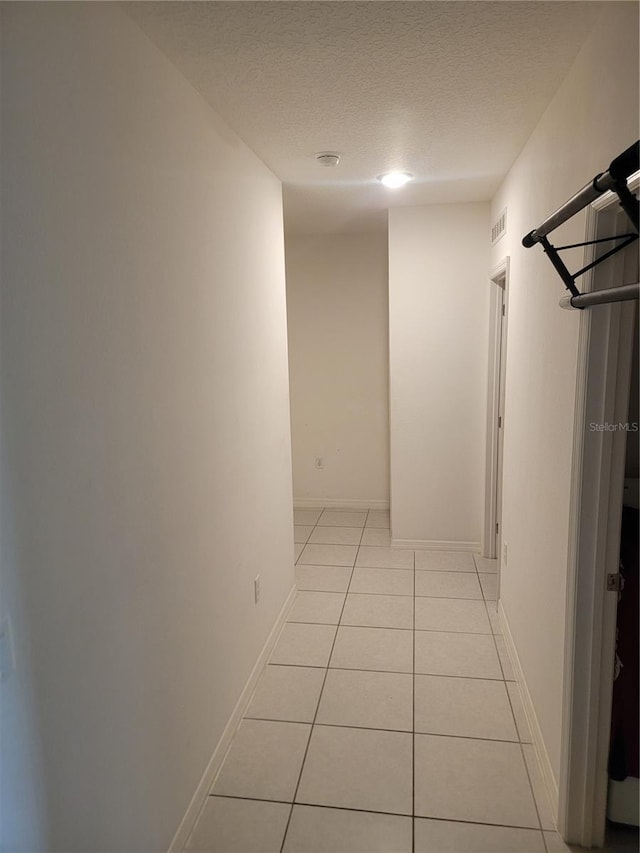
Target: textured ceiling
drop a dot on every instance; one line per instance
(449, 91)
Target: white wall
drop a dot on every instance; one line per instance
(438, 321)
(338, 351)
(591, 119)
(146, 459)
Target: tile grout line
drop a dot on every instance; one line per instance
(304, 544)
(387, 627)
(393, 671)
(520, 744)
(371, 811)
(326, 670)
(513, 713)
(324, 681)
(533, 795)
(413, 718)
(378, 728)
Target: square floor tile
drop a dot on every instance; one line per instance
(328, 555)
(443, 836)
(301, 533)
(485, 565)
(382, 581)
(376, 536)
(264, 761)
(445, 561)
(522, 725)
(463, 707)
(505, 660)
(466, 655)
(375, 700)
(539, 787)
(448, 584)
(323, 578)
(489, 584)
(378, 518)
(341, 518)
(336, 536)
(239, 826)
(304, 645)
(452, 614)
(321, 607)
(383, 649)
(379, 557)
(472, 780)
(359, 769)
(306, 516)
(288, 693)
(378, 611)
(325, 830)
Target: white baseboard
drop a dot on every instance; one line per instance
(338, 504)
(530, 713)
(435, 545)
(202, 791)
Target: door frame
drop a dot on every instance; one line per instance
(602, 395)
(498, 296)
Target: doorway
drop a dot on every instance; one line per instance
(498, 300)
(605, 360)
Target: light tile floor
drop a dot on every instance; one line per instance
(388, 719)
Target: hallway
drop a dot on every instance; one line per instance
(389, 696)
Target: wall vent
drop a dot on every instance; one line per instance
(499, 227)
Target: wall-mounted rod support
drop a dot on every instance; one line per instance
(602, 297)
(631, 239)
(614, 179)
(560, 267)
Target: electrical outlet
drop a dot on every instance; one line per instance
(319, 462)
(256, 588)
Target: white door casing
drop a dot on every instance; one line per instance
(602, 397)
(492, 533)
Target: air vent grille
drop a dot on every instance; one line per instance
(499, 227)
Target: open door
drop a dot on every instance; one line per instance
(602, 407)
(492, 539)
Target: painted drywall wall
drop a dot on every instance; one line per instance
(591, 119)
(146, 452)
(337, 309)
(438, 340)
(22, 795)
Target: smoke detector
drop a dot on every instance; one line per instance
(327, 158)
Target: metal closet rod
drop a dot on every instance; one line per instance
(601, 297)
(615, 178)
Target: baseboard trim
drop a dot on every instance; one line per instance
(530, 713)
(435, 545)
(338, 504)
(199, 798)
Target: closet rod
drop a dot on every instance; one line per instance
(602, 297)
(615, 178)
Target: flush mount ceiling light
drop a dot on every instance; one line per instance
(393, 180)
(327, 158)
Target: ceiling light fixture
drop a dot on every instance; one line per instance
(393, 180)
(327, 158)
